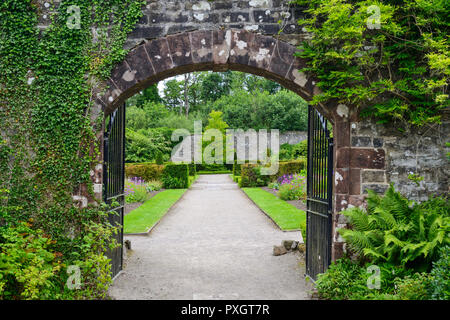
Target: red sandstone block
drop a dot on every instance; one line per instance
(180, 48)
(367, 158)
(159, 53)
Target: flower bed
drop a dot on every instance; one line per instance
(291, 186)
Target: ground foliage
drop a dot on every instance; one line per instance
(46, 91)
(398, 231)
(407, 242)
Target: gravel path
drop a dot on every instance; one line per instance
(213, 244)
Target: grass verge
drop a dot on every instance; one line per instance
(147, 215)
(192, 179)
(285, 215)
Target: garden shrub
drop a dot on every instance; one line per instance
(291, 167)
(440, 284)
(154, 185)
(414, 287)
(135, 190)
(27, 263)
(293, 152)
(159, 158)
(405, 239)
(398, 231)
(343, 280)
(236, 169)
(176, 176)
(291, 187)
(146, 171)
(211, 167)
(347, 280)
(251, 176)
(287, 193)
(251, 173)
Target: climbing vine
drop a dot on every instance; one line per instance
(48, 81)
(391, 58)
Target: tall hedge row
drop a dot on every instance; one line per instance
(146, 171)
(176, 176)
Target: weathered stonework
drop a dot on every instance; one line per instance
(176, 37)
(421, 152)
(216, 50)
(162, 18)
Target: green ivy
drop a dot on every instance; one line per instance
(48, 146)
(397, 72)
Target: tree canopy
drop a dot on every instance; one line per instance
(246, 101)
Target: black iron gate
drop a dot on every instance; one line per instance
(114, 179)
(319, 195)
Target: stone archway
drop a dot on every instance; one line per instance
(221, 50)
(216, 50)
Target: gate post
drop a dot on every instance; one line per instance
(99, 129)
(343, 175)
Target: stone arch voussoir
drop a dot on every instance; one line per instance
(216, 50)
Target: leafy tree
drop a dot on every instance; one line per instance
(149, 115)
(214, 86)
(284, 110)
(173, 94)
(150, 94)
(396, 68)
(215, 121)
(252, 83)
(145, 147)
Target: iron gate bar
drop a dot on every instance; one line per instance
(114, 180)
(319, 194)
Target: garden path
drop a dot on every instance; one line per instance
(213, 244)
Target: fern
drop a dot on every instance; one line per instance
(396, 230)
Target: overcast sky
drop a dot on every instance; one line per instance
(162, 84)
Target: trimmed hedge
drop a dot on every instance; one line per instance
(291, 167)
(290, 152)
(251, 176)
(251, 173)
(176, 176)
(211, 167)
(146, 171)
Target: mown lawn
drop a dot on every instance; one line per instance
(285, 215)
(147, 215)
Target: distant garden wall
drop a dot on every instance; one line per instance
(293, 137)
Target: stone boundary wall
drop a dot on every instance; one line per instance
(162, 18)
(175, 37)
(293, 137)
(422, 152)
